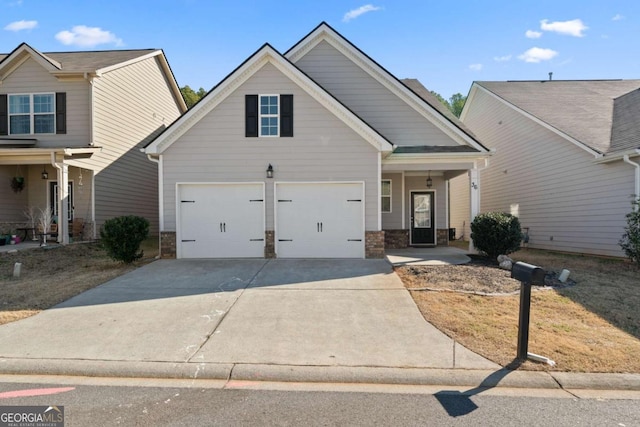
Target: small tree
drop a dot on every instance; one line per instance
(630, 242)
(44, 222)
(122, 236)
(31, 215)
(496, 233)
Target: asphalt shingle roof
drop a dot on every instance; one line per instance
(625, 134)
(582, 109)
(86, 61)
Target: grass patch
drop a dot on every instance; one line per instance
(593, 326)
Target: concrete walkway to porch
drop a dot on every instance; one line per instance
(440, 255)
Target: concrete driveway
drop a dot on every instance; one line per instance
(336, 313)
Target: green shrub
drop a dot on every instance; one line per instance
(122, 236)
(630, 242)
(496, 233)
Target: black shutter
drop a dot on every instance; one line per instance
(61, 112)
(251, 115)
(286, 115)
(4, 118)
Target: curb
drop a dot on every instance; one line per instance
(476, 378)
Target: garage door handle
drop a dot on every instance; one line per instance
(187, 240)
(256, 240)
(285, 240)
(354, 200)
(187, 201)
(354, 240)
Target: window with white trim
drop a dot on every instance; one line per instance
(385, 196)
(32, 114)
(269, 115)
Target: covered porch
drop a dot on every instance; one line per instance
(49, 183)
(415, 193)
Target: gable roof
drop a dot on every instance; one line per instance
(582, 110)
(77, 62)
(266, 54)
(425, 106)
(94, 63)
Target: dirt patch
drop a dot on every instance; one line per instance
(54, 274)
(593, 326)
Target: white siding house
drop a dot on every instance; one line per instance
(82, 156)
(318, 152)
(558, 164)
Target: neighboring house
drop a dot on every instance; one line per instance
(72, 125)
(566, 159)
(318, 152)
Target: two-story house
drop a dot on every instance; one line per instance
(71, 128)
(317, 152)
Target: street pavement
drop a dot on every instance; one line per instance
(345, 321)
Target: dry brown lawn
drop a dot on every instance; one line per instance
(593, 326)
(54, 274)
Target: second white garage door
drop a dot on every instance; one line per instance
(221, 220)
(319, 220)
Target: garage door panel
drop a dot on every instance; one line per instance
(221, 220)
(320, 220)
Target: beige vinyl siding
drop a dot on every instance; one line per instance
(393, 220)
(460, 205)
(323, 148)
(12, 203)
(417, 183)
(568, 202)
(368, 98)
(30, 77)
(132, 104)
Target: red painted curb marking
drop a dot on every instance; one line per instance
(34, 392)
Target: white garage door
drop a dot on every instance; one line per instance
(221, 220)
(320, 220)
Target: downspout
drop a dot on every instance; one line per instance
(63, 225)
(626, 159)
(160, 192)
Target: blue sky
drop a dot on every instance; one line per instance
(446, 45)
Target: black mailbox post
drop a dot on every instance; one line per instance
(528, 275)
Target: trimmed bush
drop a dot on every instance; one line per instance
(630, 242)
(121, 237)
(496, 233)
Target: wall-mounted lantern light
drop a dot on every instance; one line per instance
(270, 171)
(429, 181)
(45, 174)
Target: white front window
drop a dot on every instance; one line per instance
(269, 115)
(31, 114)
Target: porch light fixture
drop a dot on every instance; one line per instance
(429, 180)
(45, 174)
(270, 171)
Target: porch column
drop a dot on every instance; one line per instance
(63, 205)
(474, 194)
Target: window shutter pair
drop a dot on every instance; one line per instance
(61, 113)
(251, 115)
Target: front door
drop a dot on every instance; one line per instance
(422, 218)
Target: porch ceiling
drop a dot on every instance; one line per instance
(39, 155)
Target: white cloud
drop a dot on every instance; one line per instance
(475, 67)
(353, 14)
(84, 36)
(618, 17)
(574, 27)
(504, 58)
(530, 34)
(21, 25)
(538, 54)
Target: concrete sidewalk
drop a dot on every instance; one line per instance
(269, 320)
